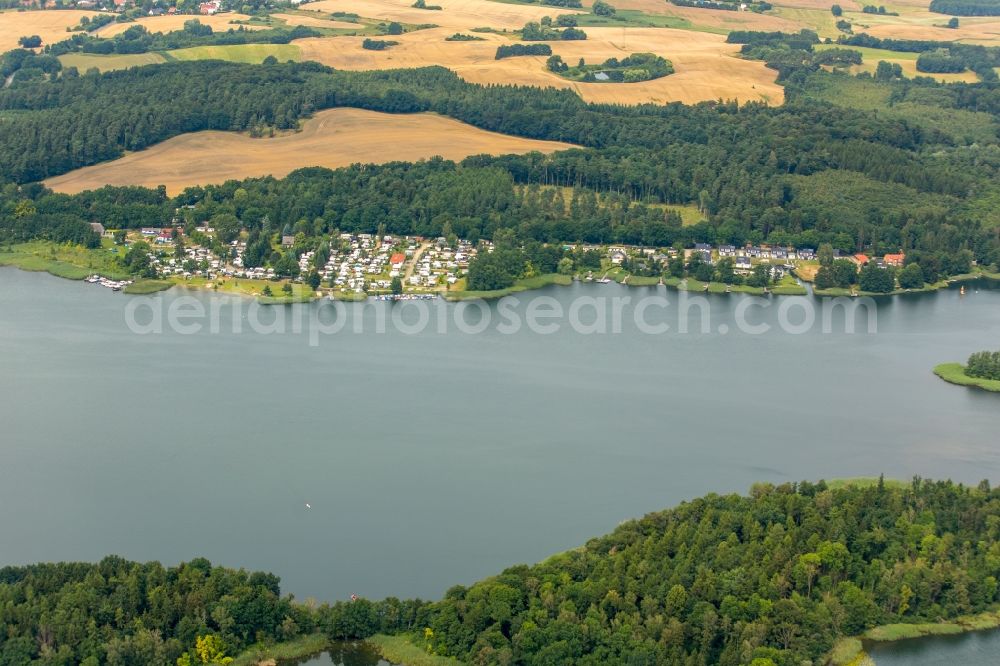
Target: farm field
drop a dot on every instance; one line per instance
(170, 23)
(50, 25)
(706, 67)
(107, 63)
(458, 14)
(984, 31)
(333, 138)
(907, 61)
(317, 21)
(246, 53)
(715, 20)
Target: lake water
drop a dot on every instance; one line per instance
(979, 648)
(433, 459)
(341, 654)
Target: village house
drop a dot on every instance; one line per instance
(287, 241)
(895, 260)
(860, 259)
(727, 251)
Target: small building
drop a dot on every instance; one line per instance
(397, 259)
(895, 260)
(727, 250)
(287, 241)
(807, 253)
(743, 264)
(860, 259)
(617, 257)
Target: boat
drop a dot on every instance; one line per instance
(604, 281)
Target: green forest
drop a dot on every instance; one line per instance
(772, 578)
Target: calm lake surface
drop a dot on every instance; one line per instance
(979, 648)
(434, 459)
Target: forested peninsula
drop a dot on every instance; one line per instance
(775, 577)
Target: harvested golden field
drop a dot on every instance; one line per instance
(50, 25)
(457, 14)
(219, 22)
(317, 21)
(715, 19)
(706, 67)
(973, 31)
(333, 138)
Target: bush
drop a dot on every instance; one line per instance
(602, 8)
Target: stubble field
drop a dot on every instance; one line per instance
(50, 25)
(333, 138)
(170, 23)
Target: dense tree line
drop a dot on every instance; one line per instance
(966, 7)
(513, 50)
(773, 578)
(984, 364)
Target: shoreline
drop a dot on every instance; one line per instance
(954, 373)
(853, 651)
(62, 268)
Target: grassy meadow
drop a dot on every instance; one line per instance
(954, 373)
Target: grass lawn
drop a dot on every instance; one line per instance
(73, 262)
(689, 214)
(845, 652)
(148, 286)
(245, 53)
(635, 18)
(300, 647)
(526, 284)
(863, 482)
(954, 373)
(399, 650)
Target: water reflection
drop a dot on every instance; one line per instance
(342, 654)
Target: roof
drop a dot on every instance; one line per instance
(861, 258)
(397, 258)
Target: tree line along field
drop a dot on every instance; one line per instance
(333, 138)
(907, 61)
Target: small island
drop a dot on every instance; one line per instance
(633, 69)
(982, 371)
